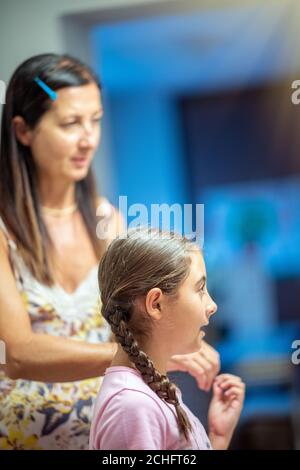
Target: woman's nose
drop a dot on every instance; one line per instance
(87, 138)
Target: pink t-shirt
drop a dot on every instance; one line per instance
(128, 415)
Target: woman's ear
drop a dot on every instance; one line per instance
(22, 131)
(153, 303)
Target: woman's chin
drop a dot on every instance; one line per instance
(78, 175)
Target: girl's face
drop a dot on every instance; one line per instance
(186, 315)
(64, 141)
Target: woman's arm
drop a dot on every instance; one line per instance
(42, 357)
(47, 358)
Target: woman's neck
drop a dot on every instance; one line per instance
(56, 194)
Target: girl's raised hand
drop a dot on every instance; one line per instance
(225, 409)
(203, 365)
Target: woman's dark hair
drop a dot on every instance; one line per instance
(19, 198)
(132, 265)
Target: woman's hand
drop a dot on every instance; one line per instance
(225, 409)
(203, 365)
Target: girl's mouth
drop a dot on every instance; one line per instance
(203, 333)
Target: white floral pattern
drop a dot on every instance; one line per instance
(36, 415)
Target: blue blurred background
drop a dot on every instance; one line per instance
(197, 99)
(200, 110)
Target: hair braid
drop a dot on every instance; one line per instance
(159, 383)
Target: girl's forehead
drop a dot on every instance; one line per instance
(197, 269)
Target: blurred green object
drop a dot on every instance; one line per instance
(252, 222)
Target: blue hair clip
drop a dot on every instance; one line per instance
(45, 87)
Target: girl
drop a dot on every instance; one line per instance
(154, 296)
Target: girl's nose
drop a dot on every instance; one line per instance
(211, 308)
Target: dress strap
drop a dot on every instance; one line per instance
(14, 257)
(10, 241)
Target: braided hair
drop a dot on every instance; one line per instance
(132, 265)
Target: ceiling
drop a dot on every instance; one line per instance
(207, 49)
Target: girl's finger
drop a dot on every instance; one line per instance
(222, 377)
(195, 369)
(217, 391)
(230, 383)
(208, 371)
(227, 381)
(213, 361)
(203, 362)
(234, 391)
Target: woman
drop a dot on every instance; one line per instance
(56, 340)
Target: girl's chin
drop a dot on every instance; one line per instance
(196, 346)
(193, 347)
(200, 339)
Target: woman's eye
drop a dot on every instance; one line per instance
(67, 124)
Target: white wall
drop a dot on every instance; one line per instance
(35, 26)
(29, 27)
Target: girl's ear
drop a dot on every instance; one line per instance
(153, 303)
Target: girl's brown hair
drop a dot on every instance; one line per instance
(19, 198)
(132, 265)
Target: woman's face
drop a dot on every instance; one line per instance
(185, 316)
(64, 141)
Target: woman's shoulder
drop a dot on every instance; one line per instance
(6, 239)
(3, 241)
(106, 210)
(104, 206)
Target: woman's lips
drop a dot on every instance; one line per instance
(79, 162)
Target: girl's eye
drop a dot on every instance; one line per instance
(202, 289)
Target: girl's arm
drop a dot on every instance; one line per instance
(203, 365)
(225, 409)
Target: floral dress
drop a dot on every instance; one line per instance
(37, 415)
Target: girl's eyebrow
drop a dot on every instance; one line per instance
(200, 281)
